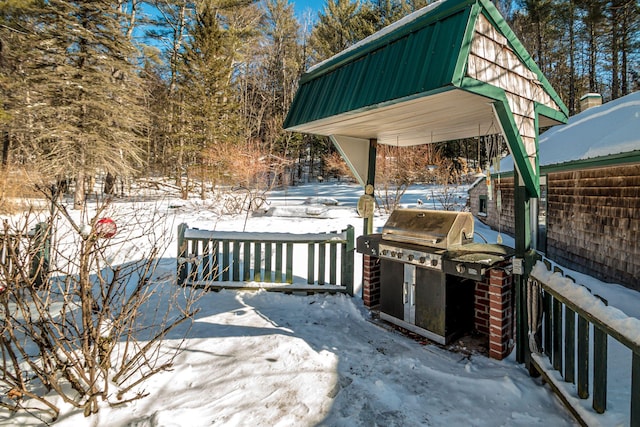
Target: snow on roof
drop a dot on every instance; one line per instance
(608, 129)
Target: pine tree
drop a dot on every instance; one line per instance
(206, 82)
(78, 102)
(593, 19)
(341, 24)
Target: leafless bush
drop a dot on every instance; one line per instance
(397, 168)
(91, 330)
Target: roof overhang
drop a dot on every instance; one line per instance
(442, 116)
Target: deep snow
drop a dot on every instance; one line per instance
(271, 359)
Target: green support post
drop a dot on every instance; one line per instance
(523, 244)
(371, 180)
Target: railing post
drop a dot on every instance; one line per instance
(333, 255)
(570, 345)
(194, 266)
(206, 257)
(322, 264)
(311, 262)
(289, 273)
(182, 255)
(267, 261)
(246, 258)
(235, 276)
(348, 260)
(225, 266)
(599, 370)
(557, 335)
(278, 277)
(635, 390)
(257, 261)
(583, 358)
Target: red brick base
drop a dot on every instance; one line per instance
(370, 280)
(494, 312)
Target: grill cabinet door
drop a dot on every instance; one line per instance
(391, 288)
(431, 301)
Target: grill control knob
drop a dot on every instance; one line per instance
(385, 251)
(460, 268)
(393, 254)
(399, 255)
(434, 262)
(422, 260)
(410, 257)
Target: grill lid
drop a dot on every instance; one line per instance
(438, 229)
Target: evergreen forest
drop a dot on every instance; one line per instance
(197, 91)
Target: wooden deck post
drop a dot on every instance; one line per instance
(182, 254)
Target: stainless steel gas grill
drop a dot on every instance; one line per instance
(428, 269)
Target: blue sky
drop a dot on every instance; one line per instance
(301, 6)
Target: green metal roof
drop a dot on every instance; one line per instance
(414, 59)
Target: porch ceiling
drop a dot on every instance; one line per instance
(443, 116)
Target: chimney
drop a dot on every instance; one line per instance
(590, 100)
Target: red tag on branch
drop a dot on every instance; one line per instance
(106, 227)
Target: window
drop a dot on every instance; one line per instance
(482, 205)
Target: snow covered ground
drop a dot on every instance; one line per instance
(270, 359)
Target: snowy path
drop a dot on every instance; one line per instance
(268, 359)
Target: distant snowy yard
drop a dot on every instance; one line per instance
(270, 359)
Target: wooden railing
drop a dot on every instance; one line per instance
(211, 258)
(568, 310)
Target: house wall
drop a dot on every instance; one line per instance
(502, 220)
(593, 220)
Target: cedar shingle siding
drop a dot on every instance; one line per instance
(593, 220)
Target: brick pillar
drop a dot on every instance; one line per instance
(501, 339)
(370, 280)
(481, 317)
